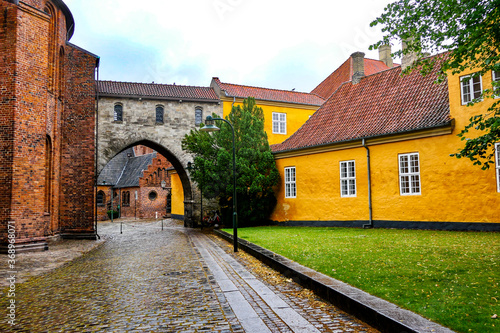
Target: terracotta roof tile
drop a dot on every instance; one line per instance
(344, 74)
(265, 94)
(381, 104)
(155, 90)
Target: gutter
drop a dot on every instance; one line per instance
(370, 208)
(96, 146)
(448, 127)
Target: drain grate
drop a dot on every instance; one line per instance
(175, 273)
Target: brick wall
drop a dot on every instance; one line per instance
(78, 142)
(8, 32)
(47, 106)
(28, 176)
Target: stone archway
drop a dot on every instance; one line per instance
(137, 124)
(179, 162)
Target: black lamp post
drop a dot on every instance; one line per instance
(190, 167)
(210, 127)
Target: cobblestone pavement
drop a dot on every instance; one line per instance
(171, 280)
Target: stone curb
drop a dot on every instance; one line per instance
(380, 314)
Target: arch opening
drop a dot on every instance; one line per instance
(156, 178)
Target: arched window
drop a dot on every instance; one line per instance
(198, 116)
(118, 112)
(101, 198)
(48, 174)
(159, 114)
(126, 198)
(49, 9)
(61, 73)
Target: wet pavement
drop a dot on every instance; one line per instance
(171, 280)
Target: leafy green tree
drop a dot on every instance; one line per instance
(256, 172)
(466, 35)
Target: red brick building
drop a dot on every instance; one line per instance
(140, 182)
(47, 123)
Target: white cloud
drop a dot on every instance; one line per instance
(277, 44)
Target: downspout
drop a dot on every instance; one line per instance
(96, 146)
(370, 224)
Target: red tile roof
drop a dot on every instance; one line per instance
(155, 90)
(381, 104)
(344, 74)
(265, 94)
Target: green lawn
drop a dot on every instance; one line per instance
(449, 277)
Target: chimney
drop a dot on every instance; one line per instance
(358, 66)
(409, 58)
(384, 54)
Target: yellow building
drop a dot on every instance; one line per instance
(377, 153)
(284, 111)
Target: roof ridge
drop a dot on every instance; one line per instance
(274, 89)
(156, 84)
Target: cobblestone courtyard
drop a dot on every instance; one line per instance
(171, 280)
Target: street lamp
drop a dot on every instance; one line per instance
(210, 127)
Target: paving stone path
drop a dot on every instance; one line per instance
(171, 280)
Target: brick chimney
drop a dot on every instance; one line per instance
(384, 54)
(358, 66)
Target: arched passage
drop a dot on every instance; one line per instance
(179, 163)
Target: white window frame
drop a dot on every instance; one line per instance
(279, 123)
(348, 179)
(198, 116)
(467, 92)
(497, 164)
(495, 77)
(290, 182)
(409, 174)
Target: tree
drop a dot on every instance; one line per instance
(467, 36)
(256, 172)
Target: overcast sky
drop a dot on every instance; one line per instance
(282, 44)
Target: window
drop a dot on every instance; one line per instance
(152, 195)
(159, 114)
(61, 73)
(48, 174)
(101, 198)
(290, 185)
(497, 159)
(198, 116)
(495, 77)
(409, 174)
(279, 123)
(471, 88)
(118, 115)
(347, 179)
(126, 198)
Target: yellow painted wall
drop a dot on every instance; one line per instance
(452, 190)
(177, 195)
(296, 116)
